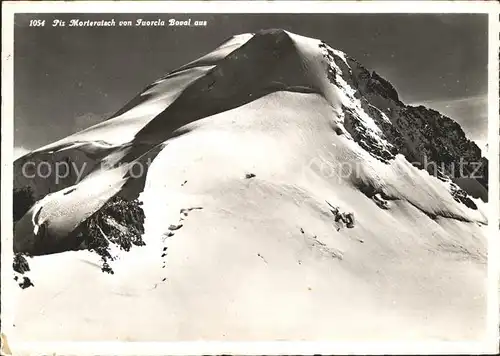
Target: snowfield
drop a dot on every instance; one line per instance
(245, 151)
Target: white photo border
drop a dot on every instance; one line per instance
(491, 342)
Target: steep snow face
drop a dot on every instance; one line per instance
(253, 157)
(220, 52)
(420, 134)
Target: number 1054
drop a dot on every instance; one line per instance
(37, 23)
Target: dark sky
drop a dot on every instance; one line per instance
(67, 79)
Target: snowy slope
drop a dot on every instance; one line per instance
(259, 138)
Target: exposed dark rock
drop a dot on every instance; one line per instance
(26, 283)
(20, 264)
(427, 139)
(119, 222)
(341, 217)
(379, 85)
(107, 268)
(364, 138)
(23, 200)
(175, 227)
(349, 220)
(461, 196)
(186, 211)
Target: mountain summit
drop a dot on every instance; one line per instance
(271, 189)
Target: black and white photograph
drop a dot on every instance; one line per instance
(250, 177)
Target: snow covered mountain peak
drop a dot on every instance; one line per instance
(275, 160)
(365, 109)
